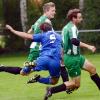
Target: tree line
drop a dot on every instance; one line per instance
(21, 14)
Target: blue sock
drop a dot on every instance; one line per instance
(45, 80)
(36, 69)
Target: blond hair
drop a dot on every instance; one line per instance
(47, 6)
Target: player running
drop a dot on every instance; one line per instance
(49, 11)
(73, 60)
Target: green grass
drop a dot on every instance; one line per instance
(14, 87)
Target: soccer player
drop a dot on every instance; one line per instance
(73, 60)
(50, 53)
(49, 11)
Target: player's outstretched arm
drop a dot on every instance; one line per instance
(30, 31)
(19, 33)
(90, 47)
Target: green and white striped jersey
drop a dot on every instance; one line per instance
(36, 29)
(68, 32)
(36, 26)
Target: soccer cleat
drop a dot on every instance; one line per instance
(1, 67)
(30, 64)
(33, 79)
(69, 91)
(48, 93)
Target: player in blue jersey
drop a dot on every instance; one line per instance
(49, 10)
(50, 54)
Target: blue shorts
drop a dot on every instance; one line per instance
(47, 63)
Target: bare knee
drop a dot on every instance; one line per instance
(72, 85)
(89, 67)
(77, 86)
(23, 73)
(92, 71)
(54, 81)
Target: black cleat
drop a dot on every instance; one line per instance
(48, 93)
(33, 79)
(69, 91)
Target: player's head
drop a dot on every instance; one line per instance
(46, 27)
(75, 16)
(49, 9)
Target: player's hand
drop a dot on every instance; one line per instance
(9, 27)
(92, 48)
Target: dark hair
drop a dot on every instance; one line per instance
(45, 27)
(73, 13)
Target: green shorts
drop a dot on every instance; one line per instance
(34, 53)
(74, 64)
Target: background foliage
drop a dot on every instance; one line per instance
(90, 12)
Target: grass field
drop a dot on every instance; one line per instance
(14, 87)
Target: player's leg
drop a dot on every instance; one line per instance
(69, 85)
(73, 64)
(72, 84)
(88, 66)
(18, 70)
(41, 64)
(29, 66)
(54, 70)
(25, 71)
(33, 54)
(48, 80)
(47, 63)
(44, 80)
(64, 73)
(10, 69)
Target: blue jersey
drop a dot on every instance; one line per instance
(51, 43)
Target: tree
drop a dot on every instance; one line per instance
(11, 10)
(81, 4)
(23, 14)
(91, 20)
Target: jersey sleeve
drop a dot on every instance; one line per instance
(73, 32)
(32, 27)
(48, 21)
(37, 37)
(65, 39)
